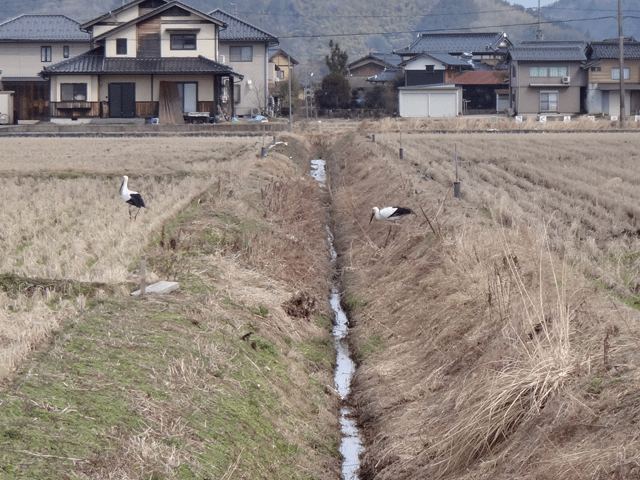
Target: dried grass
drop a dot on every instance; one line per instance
(491, 334)
(63, 218)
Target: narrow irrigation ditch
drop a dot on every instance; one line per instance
(350, 444)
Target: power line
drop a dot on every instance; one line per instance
(481, 12)
(442, 30)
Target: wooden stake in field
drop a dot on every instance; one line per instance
(456, 184)
(143, 274)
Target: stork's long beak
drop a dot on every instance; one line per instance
(371, 219)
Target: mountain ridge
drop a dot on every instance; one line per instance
(304, 27)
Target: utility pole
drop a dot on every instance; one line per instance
(289, 73)
(539, 36)
(623, 110)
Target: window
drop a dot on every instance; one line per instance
(45, 54)
(183, 41)
(241, 54)
(73, 92)
(121, 46)
(429, 68)
(514, 71)
(538, 71)
(615, 74)
(557, 71)
(236, 93)
(65, 51)
(596, 69)
(548, 101)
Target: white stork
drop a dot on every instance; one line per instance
(134, 199)
(391, 214)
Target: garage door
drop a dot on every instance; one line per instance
(428, 104)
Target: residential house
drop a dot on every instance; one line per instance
(283, 65)
(603, 70)
(27, 44)
(484, 91)
(363, 72)
(245, 48)
(547, 78)
(433, 68)
(152, 58)
(489, 48)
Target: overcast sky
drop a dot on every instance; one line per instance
(532, 3)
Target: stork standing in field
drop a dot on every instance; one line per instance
(389, 214)
(134, 199)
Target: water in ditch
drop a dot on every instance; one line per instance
(351, 444)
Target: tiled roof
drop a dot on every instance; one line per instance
(443, 58)
(38, 28)
(555, 43)
(94, 62)
(568, 54)
(455, 43)
(273, 51)
(384, 76)
(391, 59)
(481, 77)
(602, 50)
(238, 30)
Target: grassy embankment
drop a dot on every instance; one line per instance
(229, 377)
(502, 339)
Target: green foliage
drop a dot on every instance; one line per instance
(374, 344)
(334, 92)
(260, 310)
(337, 60)
(375, 98)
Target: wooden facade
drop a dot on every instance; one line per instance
(31, 99)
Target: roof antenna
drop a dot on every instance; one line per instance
(539, 35)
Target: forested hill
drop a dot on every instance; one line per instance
(597, 18)
(305, 27)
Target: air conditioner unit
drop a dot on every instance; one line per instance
(566, 80)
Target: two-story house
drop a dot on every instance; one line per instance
(547, 78)
(603, 69)
(282, 65)
(245, 48)
(485, 47)
(27, 44)
(152, 58)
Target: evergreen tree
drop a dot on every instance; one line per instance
(337, 61)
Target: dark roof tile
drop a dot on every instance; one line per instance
(94, 62)
(456, 43)
(238, 30)
(550, 54)
(38, 28)
(604, 50)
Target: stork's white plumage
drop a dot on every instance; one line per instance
(391, 214)
(134, 199)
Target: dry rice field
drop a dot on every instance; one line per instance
(497, 334)
(62, 217)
